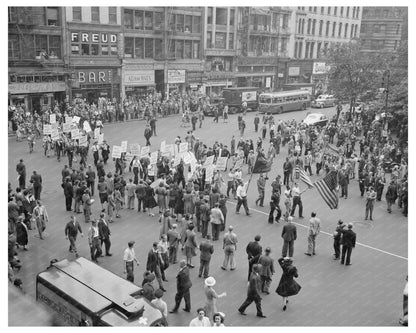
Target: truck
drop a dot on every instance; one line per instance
(234, 98)
(81, 293)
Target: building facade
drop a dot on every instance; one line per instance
(382, 28)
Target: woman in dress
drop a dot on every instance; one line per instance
(211, 297)
(190, 245)
(188, 199)
(21, 233)
(118, 201)
(161, 193)
(172, 192)
(287, 285)
(149, 200)
(179, 204)
(165, 222)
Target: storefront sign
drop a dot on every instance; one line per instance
(320, 68)
(176, 76)
(268, 82)
(139, 78)
(92, 37)
(27, 88)
(294, 71)
(94, 76)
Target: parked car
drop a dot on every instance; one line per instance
(324, 101)
(316, 119)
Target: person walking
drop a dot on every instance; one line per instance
(242, 197)
(129, 258)
(21, 171)
(36, 180)
(266, 264)
(104, 233)
(287, 285)
(90, 175)
(348, 243)
(253, 293)
(22, 238)
(274, 206)
(155, 263)
(391, 195)
(289, 235)
(71, 232)
(41, 217)
(253, 250)
(68, 193)
(206, 250)
(313, 231)
(131, 188)
(201, 320)
(261, 185)
(211, 297)
(190, 245)
(338, 239)
(173, 240)
(147, 134)
(183, 286)
(217, 219)
(297, 200)
(94, 241)
(229, 246)
(370, 197)
(87, 201)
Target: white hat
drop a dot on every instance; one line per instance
(210, 281)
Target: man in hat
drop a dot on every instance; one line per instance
(261, 185)
(348, 242)
(104, 232)
(155, 264)
(183, 286)
(94, 241)
(253, 293)
(129, 259)
(313, 231)
(370, 197)
(207, 249)
(173, 240)
(266, 264)
(289, 235)
(337, 239)
(253, 250)
(229, 246)
(71, 232)
(21, 171)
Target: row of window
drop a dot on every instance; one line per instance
(256, 69)
(152, 48)
(221, 17)
(95, 14)
(312, 25)
(34, 47)
(220, 40)
(34, 15)
(309, 49)
(94, 47)
(378, 28)
(379, 44)
(355, 11)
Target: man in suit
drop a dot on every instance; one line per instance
(71, 232)
(21, 170)
(141, 194)
(289, 236)
(36, 180)
(173, 240)
(348, 242)
(183, 286)
(68, 193)
(155, 264)
(338, 238)
(253, 293)
(104, 232)
(131, 188)
(254, 251)
(207, 249)
(266, 264)
(90, 175)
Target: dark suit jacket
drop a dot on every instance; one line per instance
(183, 282)
(153, 260)
(254, 285)
(71, 229)
(348, 238)
(289, 232)
(103, 230)
(253, 250)
(206, 250)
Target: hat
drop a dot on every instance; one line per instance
(210, 281)
(257, 238)
(268, 249)
(131, 243)
(149, 181)
(150, 277)
(350, 225)
(182, 263)
(287, 259)
(340, 222)
(290, 219)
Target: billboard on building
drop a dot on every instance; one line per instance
(176, 76)
(320, 68)
(294, 71)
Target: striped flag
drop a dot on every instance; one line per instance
(304, 177)
(327, 189)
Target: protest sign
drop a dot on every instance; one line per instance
(87, 126)
(52, 118)
(101, 139)
(123, 146)
(221, 163)
(75, 134)
(145, 151)
(186, 158)
(170, 149)
(76, 119)
(116, 153)
(97, 132)
(54, 134)
(135, 149)
(177, 160)
(209, 161)
(47, 129)
(83, 142)
(209, 173)
(66, 128)
(238, 164)
(176, 149)
(183, 147)
(162, 146)
(68, 120)
(153, 158)
(129, 157)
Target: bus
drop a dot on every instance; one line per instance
(234, 98)
(81, 293)
(279, 102)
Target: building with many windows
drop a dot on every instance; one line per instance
(382, 28)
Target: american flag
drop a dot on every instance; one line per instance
(327, 189)
(304, 177)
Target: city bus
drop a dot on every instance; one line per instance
(234, 98)
(279, 102)
(81, 293)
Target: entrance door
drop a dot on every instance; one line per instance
(36, 104)
(160, 81)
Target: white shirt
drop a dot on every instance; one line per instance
(242, 190)
(295, 191)
(202, 323)
(129, 254)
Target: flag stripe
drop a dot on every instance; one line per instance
(304, 177)
(327, 189)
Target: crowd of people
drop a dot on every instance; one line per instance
(187, 204)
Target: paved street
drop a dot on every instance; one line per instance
(368, 293)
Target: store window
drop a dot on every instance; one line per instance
(220, 40)
(196, 24)
(209, 39)
(112, 15)
(221, 16)
(85, 49)
(95, 14)
(128, 19)
(139, 48)
(76, 13)
(232, 14)
(158, 20)
(148, 48)
(230, 41)
(179, 49)
(14, 49)
(188, 24)
(188, 49)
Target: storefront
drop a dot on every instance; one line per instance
(93, 83)
(37, 90)
(195, 80)
(217, 81)
(176, 80)
(320, 76)
(138, 83)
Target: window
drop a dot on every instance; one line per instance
(334, 25)
(188, 23)
(309, 26)
(348, 12)
(303, 26)
(41, 45)
(283, 45)
(196, 47)
(327, 28)
(315, 9)
(398, 29)
(158, 21)
(346, 30)
(310, 9)
(300, 49)
(188, 49)
(95, 14)
(396, 44)
(307, 50)
(335, 11)
(322, 10)
(52, 16)
(299, 26)
(196, 24)
(376, 28)
(139, 48)
(209, 15)
(312, 49)
(358, 12)
(321, 23)
(355, 30)
(230, 41)
(112, 15)
(128, 18)
(148, 48)
(138, 19)
(339, 29)
(54, 47)
(180, 22)
(220, 40)
(329, 11)
(28, 47)
(318, 50)
(14, 48)
(295, 54)
(221, 16)
(232, 14)
(209, 39)
(148, 21)
(285, 22)
(85, 49)
(342, 11)
(326, 45)
(76, 13)
(352, 31)
(178, 49)
(12, 14)
(158, 48)
(353, 12)
(313, 27)
(128, 47)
